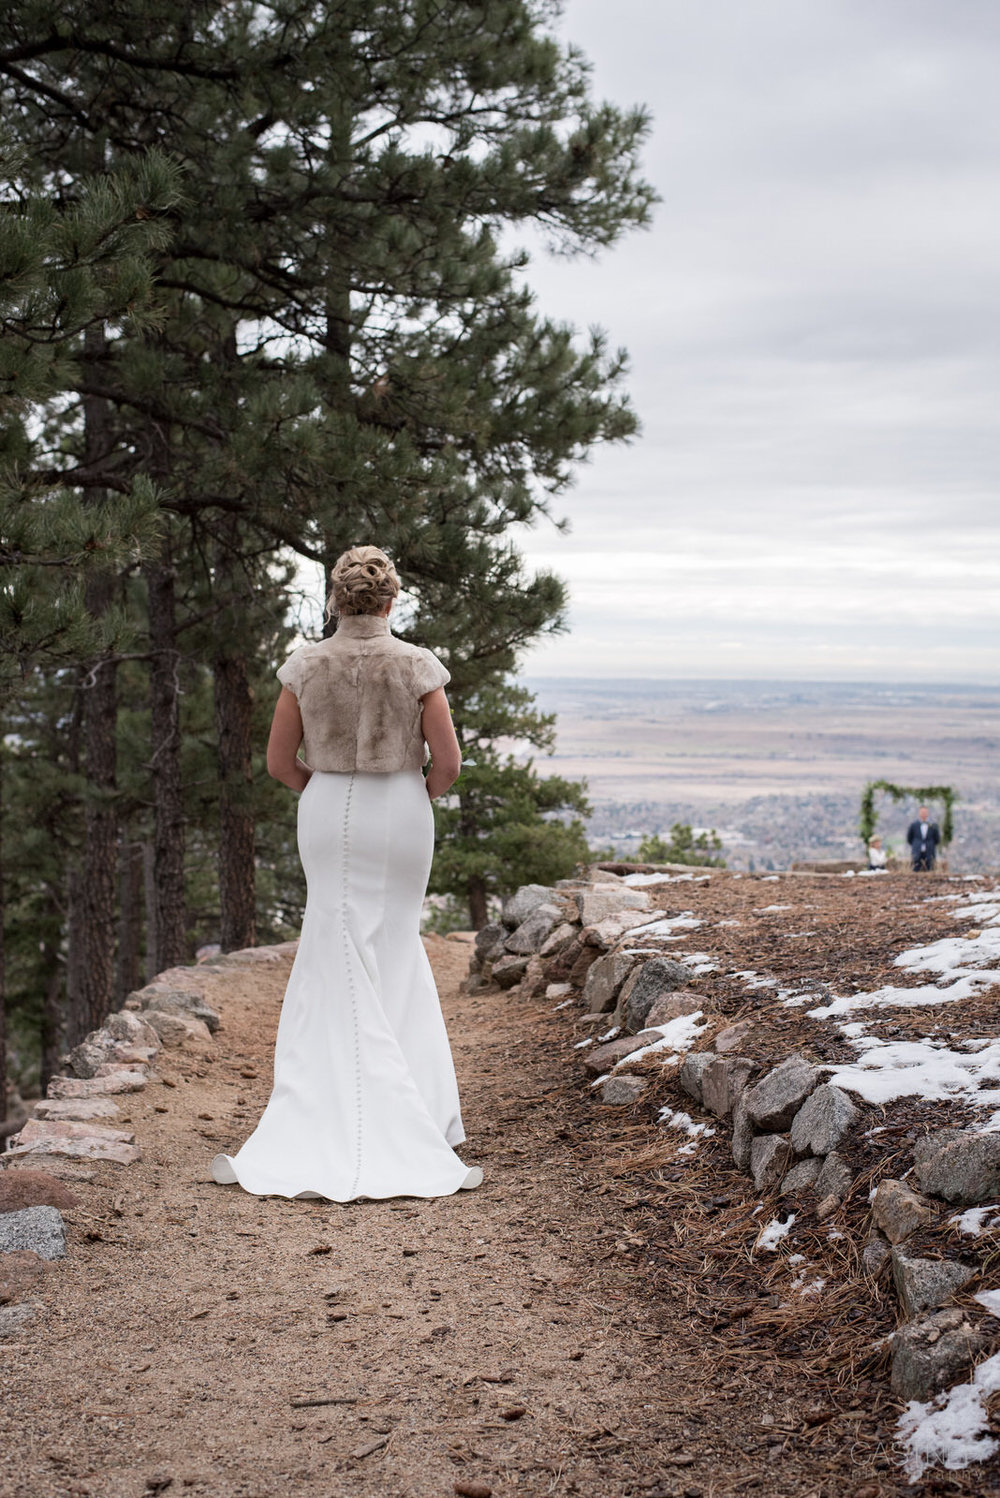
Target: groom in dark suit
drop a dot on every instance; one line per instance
(923, 837)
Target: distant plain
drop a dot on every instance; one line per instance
(777, 767)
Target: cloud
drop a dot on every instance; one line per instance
(815, 357)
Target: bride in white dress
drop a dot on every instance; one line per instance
(365, 1102)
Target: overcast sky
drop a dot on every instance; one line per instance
(813, 328)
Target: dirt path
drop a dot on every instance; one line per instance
(199, 1340)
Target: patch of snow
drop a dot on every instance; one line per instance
(887, 1070)
(990, 1299)
(729, 923)
(984, 913)
(686, 921)
(796, 1258)
(641, 879)
(609, 1034)
(581, 1043)
(772, 1235)
(812, 1288)
(833, 1235)
(848, 874)
(699, 962)
(972, 1222)
(769, 879)
(966, 987)
(765, 909)
(676, 1035)
(951, 1429)
(598, 1080)
(683, 1121)
(754, 980)
(564, 1005)
(959, 955)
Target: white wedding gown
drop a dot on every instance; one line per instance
(365, 1102)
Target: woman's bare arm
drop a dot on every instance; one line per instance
(439, 734)
(283, 744)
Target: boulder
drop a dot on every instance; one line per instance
(692, 1069)
(127, 1026)
(672, 1005)
(604, 981)
(899, 1211)
(775, 1100)
(733, 1036)
(925, 1284)
(77, 1110)
(122, 1079)
(743, 1134)
(533, 982)
(558, 990)
(650, 981)
(177, 1029)
(801, 1177)
(509, 971)
(84, 1059)
(822, 1121)
(32, 1188)
(604, 1057)
(522, 902)
(930, 1354)
(602, 900)
(609, 932)
(529, 936)
(620, 1092)
(583, 962)
(835, 1178)
(79, 1141)
(875, 1254)
(38, 1229)
(723, 1080)
(489, 941)
(770, 1158)
(189, 1005)
(15, 1318)
(558, 939)
(959, 1165)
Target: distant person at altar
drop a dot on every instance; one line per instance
(923, 837)
(876, 855)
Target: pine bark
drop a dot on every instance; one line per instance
(477, 903)
(167, 936)
(129, 921)
(237, 884)
(3, 973)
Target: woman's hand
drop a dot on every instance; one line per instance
(439, 735)
(283, 744)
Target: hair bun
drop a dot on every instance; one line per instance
(363, 581)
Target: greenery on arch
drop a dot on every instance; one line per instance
(921, 793)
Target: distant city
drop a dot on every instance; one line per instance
(777, 768)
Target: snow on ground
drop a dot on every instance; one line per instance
(889, 997)
(677, 1035)
(890, 1069)
(699, 962)
(951, 1429)
(669, 926)
(638, 880)
(973, 1221)
(772, 1234)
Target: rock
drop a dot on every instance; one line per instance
(39, 1229)
(597, 903)
(177, 1029)
(122, 1079)
(606, 1056)
(522, 902)
(672, 1005)
(533, 982)
(960, 1166)
(533, 930)
(558, 939)
(692, 1070)
(875, 1254)
(723, 1080)
(609, 932)
(775, 1100)
(835, 1178)
(621, 1091)
(826, 1206)
(558, 990)
(118, 1068)
(770, 1158)
(77, 1109)
(32, 1188)
(84, 1059)
(733, 1036)
(801, 1177)
(584, 961)
(650, 981)
(925, 1284)
(489, 942)
(80, 1141)
(899, 1211)
(743, 1134)
(930, 1354)
(509, 971)
(126, 1026)
(14, 1318)
(604, 981)
(822, 1121)
(193, 1007)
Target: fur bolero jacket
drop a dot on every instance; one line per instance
(359, 695)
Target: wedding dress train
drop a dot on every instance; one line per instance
(365, 1101)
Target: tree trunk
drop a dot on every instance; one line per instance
(237, 892)
(129, 921)
(52, 1016)
(167, 937)
(477, 903)
(149, 895)
(3, 971)
(76, 1018)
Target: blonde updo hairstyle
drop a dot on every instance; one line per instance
(363, 581)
